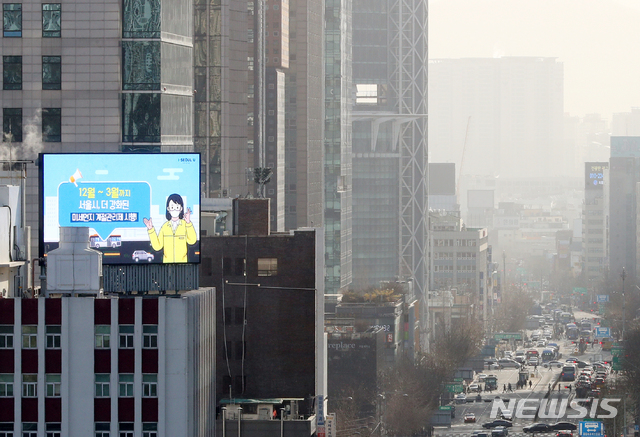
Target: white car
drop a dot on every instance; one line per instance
(533, 361)
(474, 387)
(482, 376)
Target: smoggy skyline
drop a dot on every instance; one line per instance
(595, 40)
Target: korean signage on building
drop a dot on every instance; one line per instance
(139, 208)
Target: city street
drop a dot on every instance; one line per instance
(541, 379)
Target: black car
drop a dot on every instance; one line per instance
(564, 426)
(537, 427)
(497, 422)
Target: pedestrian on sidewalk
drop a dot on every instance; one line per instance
(530, 384)
(510, 389)
(504, 388)
(569, 388)
(549, 386)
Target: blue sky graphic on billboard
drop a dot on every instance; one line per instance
(140, 208)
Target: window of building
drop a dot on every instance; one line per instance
(102, 429)
(52, 125)
(102, 385)
(53, 385)
(250, 63)
(51, 72)
(6, 385)
(125, 430)
(12, 17)
(12, 125)
(125, 385)
(126, 336)
(141, 65)
(6, 429)
(51, 20)
(150, 336)
(12, 72)
(29, 429)
(6, 337)
(29, 337)
(103, 333)
(53, 429)
(150, 385)
(141, 117)
(136, 25)
(149, 430)
(29, 386)
(267, 266)
(53, 337)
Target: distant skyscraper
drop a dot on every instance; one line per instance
(338, 152)
(595, 220)
(624, 173)
(512, 108)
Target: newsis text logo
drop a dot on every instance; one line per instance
(556, 408)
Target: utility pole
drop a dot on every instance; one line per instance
(624, 318)
(623, 275)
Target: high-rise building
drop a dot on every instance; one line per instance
(390, 142)
(337, 155)
(595, 220)
(498, 116)
(108, 77)
(304, 116)
(624, 174)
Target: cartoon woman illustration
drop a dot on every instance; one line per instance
(175, 234)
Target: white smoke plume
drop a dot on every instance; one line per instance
(31, 141)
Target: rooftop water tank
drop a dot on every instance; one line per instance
(73, 267)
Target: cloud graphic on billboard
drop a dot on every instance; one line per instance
(104, 206)
(172, 174)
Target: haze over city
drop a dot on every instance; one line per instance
(595, 39)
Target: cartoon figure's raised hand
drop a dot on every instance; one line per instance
(148, 223)
(187, 215)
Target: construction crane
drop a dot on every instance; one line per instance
(464, 148)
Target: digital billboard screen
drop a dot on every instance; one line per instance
(594, 175)
(140, 208)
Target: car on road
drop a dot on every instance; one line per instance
(500, 431)
(473, 387)
(469, 418)
(564, 434)
(557, 364)
(537, 427)
(564, 426)
(481, 376)
(141, 255)
(507, 362)
(460, 398)
(480, 433)
(496, 423)
(533, 361)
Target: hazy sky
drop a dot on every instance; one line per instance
(598, 42)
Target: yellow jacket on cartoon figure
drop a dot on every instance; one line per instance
(173, 243)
